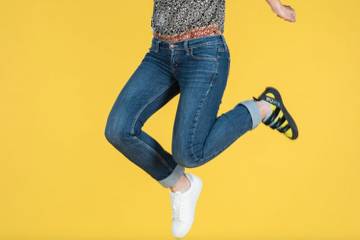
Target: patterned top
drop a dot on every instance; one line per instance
(172, 17)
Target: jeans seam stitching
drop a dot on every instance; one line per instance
(211, 43)
(132, 131)
(193, 128)
(205, 57)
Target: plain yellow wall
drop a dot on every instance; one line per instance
(62, 64)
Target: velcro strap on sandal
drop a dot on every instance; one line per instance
(272, 101)
(272, 117)
(278, 123)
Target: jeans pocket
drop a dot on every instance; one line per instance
(204, 52)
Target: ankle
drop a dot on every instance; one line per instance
(181, 185)
(264, 108)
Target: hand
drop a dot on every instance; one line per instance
(283, 11)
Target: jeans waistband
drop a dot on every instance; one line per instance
(194, 42)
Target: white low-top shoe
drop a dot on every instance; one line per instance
(183, 206)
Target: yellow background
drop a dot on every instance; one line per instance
(62, 64)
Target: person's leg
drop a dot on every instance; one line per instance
(148, 89)
(199, 134)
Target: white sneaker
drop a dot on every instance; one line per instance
(183, 206)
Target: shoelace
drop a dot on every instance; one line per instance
(177, 206)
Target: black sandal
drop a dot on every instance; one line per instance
(285, 123)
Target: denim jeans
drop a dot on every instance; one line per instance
(197, 69)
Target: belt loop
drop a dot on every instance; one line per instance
(224, 42)
(157, 43)
(186, 45)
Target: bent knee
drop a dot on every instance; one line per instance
(186, 158)
(117, 132)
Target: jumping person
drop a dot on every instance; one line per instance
(188, 54)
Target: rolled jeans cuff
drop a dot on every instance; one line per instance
(254, 112)
(170, 180)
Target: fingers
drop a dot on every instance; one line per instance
(289, 7)
(288, 13)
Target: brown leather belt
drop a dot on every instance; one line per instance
(194, 33)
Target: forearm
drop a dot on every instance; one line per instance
(274, 3)
(284, 11)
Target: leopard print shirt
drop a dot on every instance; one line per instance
(173, 17)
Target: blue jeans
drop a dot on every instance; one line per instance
(198, 69)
